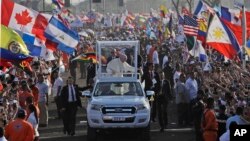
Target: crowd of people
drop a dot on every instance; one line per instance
(208, 95)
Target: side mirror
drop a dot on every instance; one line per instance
(86, 94)
(150, 93)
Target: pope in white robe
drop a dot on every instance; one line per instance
(118, 66)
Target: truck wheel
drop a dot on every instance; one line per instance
(91, 134)
(145, 134)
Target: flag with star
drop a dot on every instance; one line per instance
(221, 39)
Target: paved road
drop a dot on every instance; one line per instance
(155, 136)
(54, 131)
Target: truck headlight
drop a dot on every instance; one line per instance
(140, 107)
(96, 107)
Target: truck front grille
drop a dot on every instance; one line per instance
(107, 110)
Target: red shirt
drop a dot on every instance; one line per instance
(22, 96)
(35, 93)
(19, 130)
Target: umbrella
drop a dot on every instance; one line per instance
(83, 33)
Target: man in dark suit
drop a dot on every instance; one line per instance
(70, 97)
(91, 72)
(72, 67)
(163, 99)
(153, 83)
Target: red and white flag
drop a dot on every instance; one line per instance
(26, 20)
(23, 19)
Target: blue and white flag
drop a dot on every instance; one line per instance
(35, 46)
(231, 15)
(199, 51)
(67, 39)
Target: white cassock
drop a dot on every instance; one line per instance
(116, 67)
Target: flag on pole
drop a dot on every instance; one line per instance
(58, 3)
(57, 32)
(35, 46)
(203, 10)
(86, 57)
(23, 19)
(199, 51)
(12, 46)
(202, 13)
(190, 26)
(220, 38)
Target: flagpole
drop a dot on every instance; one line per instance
(244, 37)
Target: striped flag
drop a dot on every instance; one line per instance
(190, 26)
(86, 58)
(58, 3)
(57, 32)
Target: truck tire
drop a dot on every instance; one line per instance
(145, 134)
(91, 134)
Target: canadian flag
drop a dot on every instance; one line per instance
(26, 20)
(23, 19)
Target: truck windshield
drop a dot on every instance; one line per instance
(118, 89)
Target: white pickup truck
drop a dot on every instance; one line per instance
(118, 103)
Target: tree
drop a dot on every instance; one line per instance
(212, 3)
(176, 6)
(178, 2)
(190, 3)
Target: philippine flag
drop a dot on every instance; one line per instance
(57, 32)
(220, 38)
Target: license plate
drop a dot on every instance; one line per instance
(118, 119)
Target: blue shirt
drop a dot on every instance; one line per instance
(192, 88)
(43, 90)
(238, 119)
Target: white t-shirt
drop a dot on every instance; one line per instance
(58, 82)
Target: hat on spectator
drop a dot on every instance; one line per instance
(21, 113)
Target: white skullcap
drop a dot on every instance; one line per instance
(123, 56)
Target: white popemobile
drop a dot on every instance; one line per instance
(117, 101)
